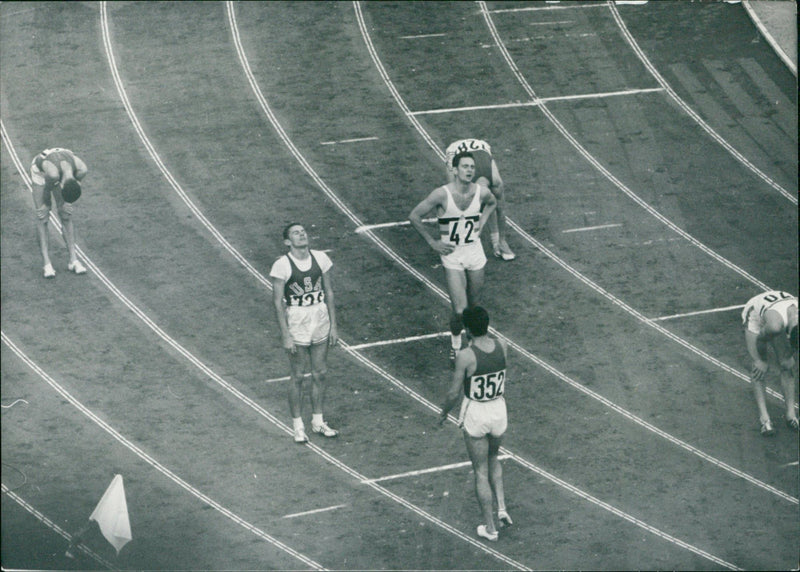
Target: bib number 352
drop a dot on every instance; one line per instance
(486, 387)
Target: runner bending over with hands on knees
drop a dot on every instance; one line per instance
(56, 174)
(770, 320)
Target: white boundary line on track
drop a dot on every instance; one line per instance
(420, 36)
(698, 312)
(252, 404)
(769, 37)
(567, 6)
(530, 239)
(372, 366)
(365, 227)
(315, 511)
(150, 460)
(689, 111)
(399, 340)
(55, 528)
(264, 413)
(438, 469)
(599, 166)
(343, 207)
(540, 101)
(586, 228)
(586, 496)
(356, 140)
(394, 256)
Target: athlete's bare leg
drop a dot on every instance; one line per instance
(478, 450)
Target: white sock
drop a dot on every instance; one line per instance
(495, 237)
(316, 419)
(455, 341)
(297, 422)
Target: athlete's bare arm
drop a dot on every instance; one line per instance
(437, 198)
(280, 313)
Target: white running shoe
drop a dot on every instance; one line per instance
(482, 532)
(76, 267)
(502, 250)
(324, 430)
(300, 435)
(49, 271)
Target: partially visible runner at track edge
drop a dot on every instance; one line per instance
(770, 321)
(302, 293)
(462, 208)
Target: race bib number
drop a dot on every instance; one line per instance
(462, 231)
(307, 299)
(487, 387)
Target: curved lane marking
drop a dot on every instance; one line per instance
(688, 110)
(150, 460)
(530, 239)
(55, 528)
(241, 396)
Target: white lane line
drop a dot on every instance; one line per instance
(366, 227)
(614, 300)
(231, 389)
(691, 112)
(54, 527)
(356, 140)
(548, 37)
(525, 235)
(399, 341)
(422, 36)
(584, 152)
(540, 101)
(184, 352)
(551, 23)
(150, 460)
(426, 471)
(567, 6)
(323, 186)
(770, 38)
(585, 228)
(315, 511)
(711, 311)
(575, 384)
(284, 378)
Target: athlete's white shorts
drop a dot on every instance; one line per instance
(467, 257)
(308, 325)
(481, 418)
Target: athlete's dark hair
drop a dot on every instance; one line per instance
(476, 320)
(71, 190)
(459, 156)
(793, 338)
(287, 227)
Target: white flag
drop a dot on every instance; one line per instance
(111, 513)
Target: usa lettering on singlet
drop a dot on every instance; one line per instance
(459, 227)
(488, 380)
(304, 288)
